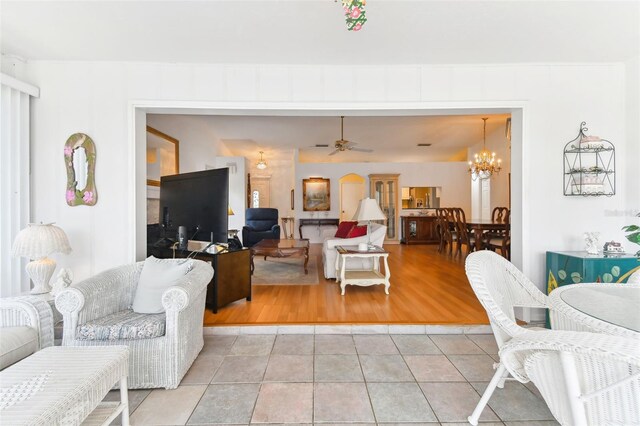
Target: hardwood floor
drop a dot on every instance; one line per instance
(426, 288)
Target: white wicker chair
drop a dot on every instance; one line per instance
(154, 362)
(585, 378)
(500, 287)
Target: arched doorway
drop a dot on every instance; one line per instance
(352, 190)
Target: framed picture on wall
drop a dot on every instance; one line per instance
(316, 196)
(163, 156)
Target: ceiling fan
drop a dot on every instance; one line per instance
(345, 145)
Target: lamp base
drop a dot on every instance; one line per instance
(40, 272)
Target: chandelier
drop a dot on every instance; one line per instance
(261, 164)
(484, 163)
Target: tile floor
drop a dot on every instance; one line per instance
(337, 379)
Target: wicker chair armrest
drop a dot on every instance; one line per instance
(615, 348)
(28, 311)
(178, 297)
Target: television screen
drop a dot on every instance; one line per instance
(197, 200)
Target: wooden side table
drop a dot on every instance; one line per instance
(365, 277)
(288, 230)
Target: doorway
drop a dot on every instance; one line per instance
(260, 191)
(352, 190)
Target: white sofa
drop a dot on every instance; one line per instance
(26, 326)
(329, 252)
(97, 312)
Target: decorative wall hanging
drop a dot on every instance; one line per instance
(589, 165)
(80, 160)
(163, 156)
(354, 14)
(316, 194)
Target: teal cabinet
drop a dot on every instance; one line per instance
(572, 267)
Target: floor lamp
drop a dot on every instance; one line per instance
(369, 210)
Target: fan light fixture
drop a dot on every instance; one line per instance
(261, 164)
(485, 162)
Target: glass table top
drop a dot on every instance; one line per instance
(615, 305)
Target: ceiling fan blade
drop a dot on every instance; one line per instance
(334, 152)
(361, 149)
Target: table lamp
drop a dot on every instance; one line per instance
(37, 241)
(368, 210)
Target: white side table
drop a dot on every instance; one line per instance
(364, 277)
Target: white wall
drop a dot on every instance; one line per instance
(452, 177)
(94, 98)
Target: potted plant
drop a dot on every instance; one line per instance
(633, 234)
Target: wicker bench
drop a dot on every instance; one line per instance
(65, 385)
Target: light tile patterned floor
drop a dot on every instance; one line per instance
(339, 379)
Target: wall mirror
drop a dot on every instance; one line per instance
(421, 197)
(80, 161)
(163, 156)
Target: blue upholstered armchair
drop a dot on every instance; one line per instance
(261, 224)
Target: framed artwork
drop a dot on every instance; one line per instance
(316, 196)
(163, 156)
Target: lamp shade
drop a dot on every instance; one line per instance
(40, 240)
(368, 210)
(230, 211)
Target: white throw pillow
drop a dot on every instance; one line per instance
(157, 276)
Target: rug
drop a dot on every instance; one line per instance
(284, 271)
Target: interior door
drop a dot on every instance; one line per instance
(485, 203)
(260, 192)
(350, 195)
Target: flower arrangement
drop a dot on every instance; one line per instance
(354, 14)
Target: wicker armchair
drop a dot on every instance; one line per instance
(26, 326)
(500, 287)
(585, 378)
(103, 300)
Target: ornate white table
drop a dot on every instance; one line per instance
(598, 308)
(365, 277)
(65, 385)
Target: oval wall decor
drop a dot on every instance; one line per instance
(80, 161)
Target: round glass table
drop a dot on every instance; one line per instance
(602, 308)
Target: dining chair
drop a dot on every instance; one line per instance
(500, 287)
(499, 214)
(585, 378)
(462, 236)
(443, 230)
(500, 240)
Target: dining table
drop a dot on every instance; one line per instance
(609, 308)
(480, 226)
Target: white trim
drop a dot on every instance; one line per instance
(334, 109)
(19, 85)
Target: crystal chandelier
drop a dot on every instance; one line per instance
(484, 163)
(261, 164)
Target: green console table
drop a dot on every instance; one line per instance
(572, 267)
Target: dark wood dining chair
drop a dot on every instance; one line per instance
(462, 236)
(502, 240)
(443, 230)
(499, 214)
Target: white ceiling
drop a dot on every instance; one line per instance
(314, 32)
(393, 139)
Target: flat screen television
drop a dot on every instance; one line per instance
(197, 200)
